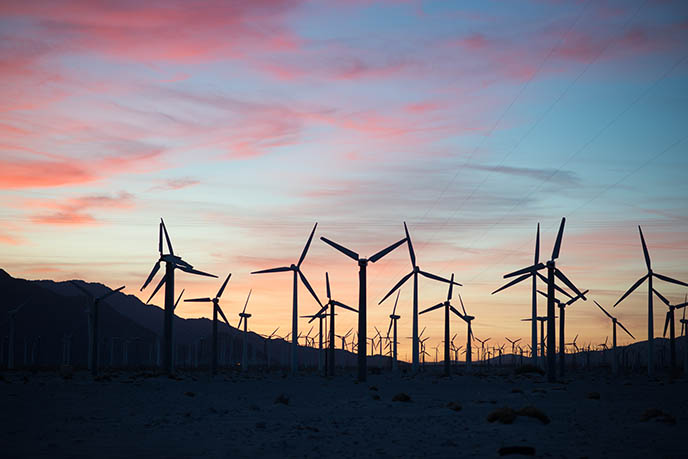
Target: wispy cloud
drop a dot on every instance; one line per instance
(78, 210)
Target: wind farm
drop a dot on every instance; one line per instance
(379, 229)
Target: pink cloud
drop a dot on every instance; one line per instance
(74, 211)
(40, 174)
(162, 31)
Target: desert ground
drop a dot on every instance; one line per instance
(141, 414)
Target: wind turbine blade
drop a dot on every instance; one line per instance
(151, 275)
(342, 305)
(160, 237)
(273, 270)
(81, 288)
(399, 284)
(645, 252)
(462, 307)
(315, 316)
(111, 292)
(162, 281)
(431, 308)
(630, 290)
(624, 329)
(198, 300)
(273, 333)
(391, 322)
(661, 297)
(341, 248)
(451, 285)
(224, 284)
(603, 310)
(222, 314)
(560, 234)
(556, 287)
(669, 279)
(666, 322)
(247, 298)
(453, 309)
(573, 300)
(308, 286)
(412, 254)
(195, 271)
(529, 270)
(327, 284)
(384, 252)
(568, 283)
(241, 318)
(422, 331)
(167, 237)
(437, 278)
(178, 299)
(513, 282)
(394, 311)
(308, 244)
(537, 245)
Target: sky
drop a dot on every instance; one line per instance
(244, 123)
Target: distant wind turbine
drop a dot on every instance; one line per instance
(649, 277)
(670, 321)
(552, 272)
(615, 322)
(296, 269)
(415, 271)
(331, 305)
(393, 324)
(94, 324)
(244, 316)
(172, 262)
(447, 308)
(10, 344)
(562, 314)
(216, 309)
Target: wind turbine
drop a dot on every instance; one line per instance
(268, 346)
(243, 317)
(534, 275)
(331, 305)
(575, 350)
(615, 322)
(362, 300)
(649, 277)
(469, 334)
(10, 344)
(542, 320)
(447, 307)
(670, 320)
(393, 317)
(415, 271)
(562, 311)
(513, 345)
(321, 316)
(552, 272)
(216, 309)
(684, 326)
(172, 262)
(296, 269)
(344, 337)
(482, 347)
(94, 324)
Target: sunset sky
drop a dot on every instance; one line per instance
(242, 123)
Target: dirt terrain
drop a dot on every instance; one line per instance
(274, 415)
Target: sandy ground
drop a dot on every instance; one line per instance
(137, 415)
